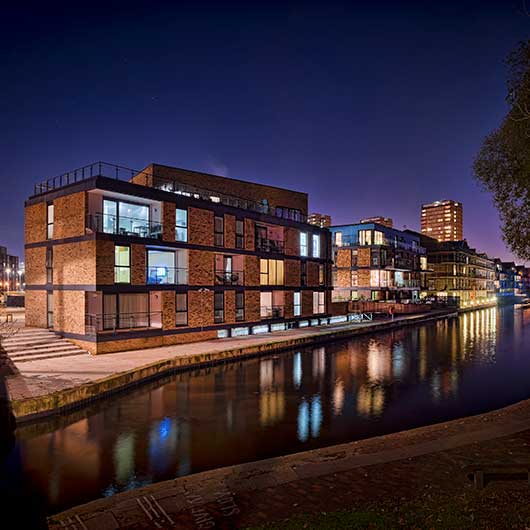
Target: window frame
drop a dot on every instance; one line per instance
(49, 265)
(50, 223)
(181, 311)
(216, 296)
(240, 237)
(315, 245)
(297, 304)
(118, 266)
(181, 227)
(304, 243)
(240, 308)
(219, 236)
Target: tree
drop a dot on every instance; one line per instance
(502, 165)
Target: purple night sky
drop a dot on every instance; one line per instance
(371, 107)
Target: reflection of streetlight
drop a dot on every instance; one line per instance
(203, 291)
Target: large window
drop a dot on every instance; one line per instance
(219, 231)
(240, 306)
(271, 272)
(303, 244)
(181, 309)
(318, 302)
(49, 221)
(297, 304)
(316, 245)
(125, 311)
(122, 264)
(128, 219)
(240, 233)
(365, 237)
(338, 239)
(219, 307)
(167, 266)
(378, 237)
(181, 225)
(49, 264)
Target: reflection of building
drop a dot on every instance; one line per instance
(168, 256)
(319, 219)
(459, 271)
(442, 220)
(376, 262)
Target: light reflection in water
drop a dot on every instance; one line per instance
(284, 403)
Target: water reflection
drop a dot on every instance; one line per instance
(271, 406)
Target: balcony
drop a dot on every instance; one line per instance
(223, 277)
(161, 275)
(95, 323)
(124, 226)
(274, 311)
(270, 245)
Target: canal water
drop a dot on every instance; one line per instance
(274, 405)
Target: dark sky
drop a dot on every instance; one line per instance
(370, 107)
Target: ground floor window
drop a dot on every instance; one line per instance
(297, 302)
(240, 306)
(125, 311)
(318, 302)
(219, 307)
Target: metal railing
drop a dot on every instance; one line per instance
(223, 277)
(162, 275)
(104, 169)
(125, 226)
(95, 323)
(274, 311)
(270, 245)
(352, 241)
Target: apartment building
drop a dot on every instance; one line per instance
(118, 259)
(373, 261)
(459, 271)
(11, 276)
(443, 220)
(319, 219)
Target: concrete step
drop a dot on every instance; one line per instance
(43, 356)
(57, 349)
(37, 346)
(29, 343)
(31, 332)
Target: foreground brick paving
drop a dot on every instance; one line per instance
(421, 465)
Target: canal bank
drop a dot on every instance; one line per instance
(417, 467)
(43, 387)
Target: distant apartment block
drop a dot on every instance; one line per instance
(442, 220)
(119, 259)
(385, 221)
(373, 261)
(319, 219)
(11, 276)
(459, 271)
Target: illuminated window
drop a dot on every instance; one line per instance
(271, 272)
(49, 221)
(378, 237)
(318, 302)
(316, 245)
(303, 243)
(365, 237)
(181, 225)
(181, 309)
(297, 304)
(122, 264)
(338, 239)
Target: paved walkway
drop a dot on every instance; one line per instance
(411, 466)
(45, 385)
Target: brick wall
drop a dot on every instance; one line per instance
(292, 241)
(230, 306)
(230, 231)
(35, 308)
(344, 278)
(105, 262)
(138, 264)
(252, 309)
(69, 215)
(200, 226)
(292, 272)
(343, 257)
(200, 308)
(251, 270)
(74, 263)
(288, 304)
(168, 309)
(35, 266)
(69, 311)
(312, 273)
(363, 277)
(200, 267)
(168, 221)
(35, 223)
(307, 303)
(363, 257)
(250, 234)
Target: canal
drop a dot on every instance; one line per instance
(274, 405)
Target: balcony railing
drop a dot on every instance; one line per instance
(270, 245)
(103, 169)
(275, 311)
(162, 275)
(124, 226)
(95, 323)
(223, 277)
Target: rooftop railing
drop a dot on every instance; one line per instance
(104, 169)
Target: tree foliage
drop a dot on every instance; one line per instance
(503, 162)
